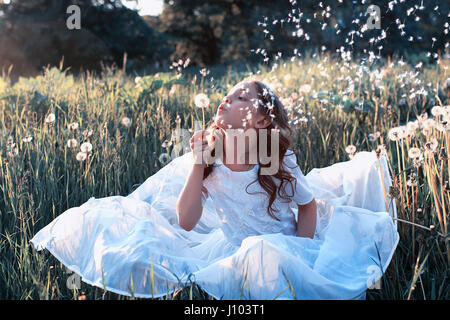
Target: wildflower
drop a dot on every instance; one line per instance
(50, 118)
(422, 117)
(27, 139)
(351, 149)
(81, 156)
(86, 147)
(395, 134)
(72, 126)
(72, 143)
(126, 122)
(414, 153)
(443, 125)
(428, 124)
(137, 80)
(412, 126)
(437, 111)
(201, 100)
(164, 158)
(431, 146)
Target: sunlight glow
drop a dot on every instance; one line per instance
(145, 7)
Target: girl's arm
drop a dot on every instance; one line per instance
(189, 204)
(306, 224)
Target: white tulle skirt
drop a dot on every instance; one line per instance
(133, 246)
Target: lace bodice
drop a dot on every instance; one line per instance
(243, 213)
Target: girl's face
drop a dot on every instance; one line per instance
(238, 108)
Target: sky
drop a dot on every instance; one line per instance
(145, 7)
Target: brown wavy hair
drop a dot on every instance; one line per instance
(267, 98)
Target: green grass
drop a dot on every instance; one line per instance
(42, 178)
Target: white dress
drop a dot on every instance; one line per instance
(236, 251)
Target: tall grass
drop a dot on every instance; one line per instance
(331, 104)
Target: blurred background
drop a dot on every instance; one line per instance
(155, 33)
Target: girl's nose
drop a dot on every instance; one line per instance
(226, 100)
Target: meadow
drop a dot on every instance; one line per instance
(66, 138)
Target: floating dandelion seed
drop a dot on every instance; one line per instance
(126, 122)
(81, 156)
(72, 143)
(50, 118)
(86, 147)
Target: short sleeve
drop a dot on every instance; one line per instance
(302, 193)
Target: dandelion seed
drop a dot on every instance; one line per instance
(50, 118)
(86, 147)
(414, 153)
(431, 146)
(201, 100)
(72, 143)
(72, 126)
(437, 111)
(81, 156)
(395, 134)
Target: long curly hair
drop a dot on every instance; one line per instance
(269, 105)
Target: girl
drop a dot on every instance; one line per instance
(230, 227)
(250, 101)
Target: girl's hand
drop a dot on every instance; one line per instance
(197, 153)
